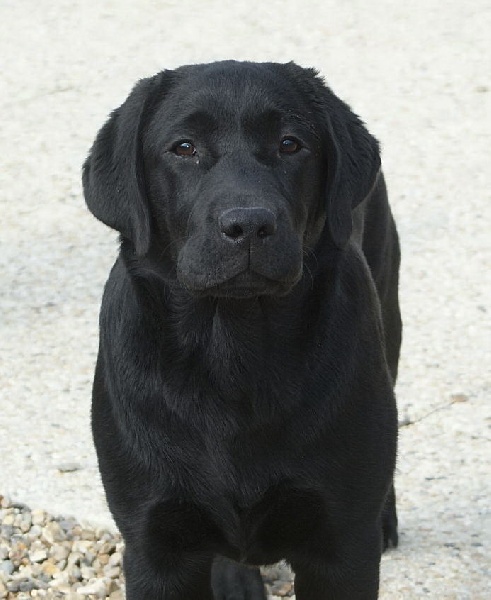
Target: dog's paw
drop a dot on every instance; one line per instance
(233, 581)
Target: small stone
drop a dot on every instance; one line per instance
(6, 531)
(59, 553)
(60, 578)
(87, 572)
(76, 531)
(27, 585)
(49, 568)
(38, 555)
(459, 398)
(35, 531)
(108, 548)
(17, 552)
(25, 523)
(8, 519)
(69, 467)
(53, 533)
(282, 588)
(5, 501)
(13, 586)
(62, 587)
(7, 566)
(115, 559)
(74, 558)
(81, 546)
(41, 585)
(88, 534)
(111, 572)
(96, 587)
(102, 533)
(35, 569)
(38, 517)
(88, 558)
(74, 574)
(112, 586)
(66, 524)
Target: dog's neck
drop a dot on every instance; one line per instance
(223, 342)
(247, 358)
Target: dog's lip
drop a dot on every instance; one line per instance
(247, 284)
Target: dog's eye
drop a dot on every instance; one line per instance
(185, 149)
(289, 145)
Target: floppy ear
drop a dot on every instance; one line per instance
(352, 153)
(112, 177)
(353, 167)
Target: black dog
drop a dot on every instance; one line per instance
(243, 406)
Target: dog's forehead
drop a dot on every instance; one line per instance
(231, 93)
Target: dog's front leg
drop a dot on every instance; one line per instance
(352, 574)
(176, 577)
(336, 582)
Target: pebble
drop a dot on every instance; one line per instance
(7, 566)
(69, 467)
(50, 557)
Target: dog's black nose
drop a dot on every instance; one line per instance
(238, 224)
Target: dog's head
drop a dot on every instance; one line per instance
(221, 176)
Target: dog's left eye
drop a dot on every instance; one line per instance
(185, 149)
(289, 145)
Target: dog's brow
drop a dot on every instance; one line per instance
(279, 117)
(288, 117)
(198, 121)
(302, 120)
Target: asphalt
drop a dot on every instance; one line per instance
(418, 73)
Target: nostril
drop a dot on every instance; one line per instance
(234, 232)
(266, 230)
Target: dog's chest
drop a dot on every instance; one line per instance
(281, 520)
(262, 508)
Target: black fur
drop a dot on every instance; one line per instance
(243, 405)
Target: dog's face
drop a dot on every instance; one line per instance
(224, 174)
(234, 171)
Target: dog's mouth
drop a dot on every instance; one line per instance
(247, 284)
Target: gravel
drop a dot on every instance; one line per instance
(418, 73)
(43, 556)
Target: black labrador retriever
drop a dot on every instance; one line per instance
(243, 404)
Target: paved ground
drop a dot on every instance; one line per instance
(419, 75)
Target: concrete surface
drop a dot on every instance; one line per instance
(419, 74)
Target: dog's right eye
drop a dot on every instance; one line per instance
(185, 149)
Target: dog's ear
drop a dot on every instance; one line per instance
(113, 174)
(352, 153)
(353, 167)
